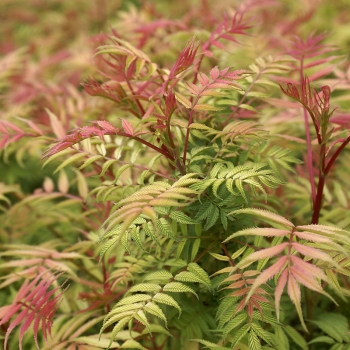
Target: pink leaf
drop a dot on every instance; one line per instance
(15, 138)
(308, 268)
(219, 45)
(128, 128)
(15, 323)
(203, 79)
(267, 274)
(107, 126)
(341, 119)
(10, 311)
(192, 88)
(320, 61)
(26, 324)
(312, 252)
(262, 254)
(36, 330)
(294, 291)
(2, 128)
(12, 126)
(321, 73)
(34, 127)
(279, 290)
(3, 141)
(214, 73)
(295, 296)
(239, 293)
(56, 125)
(312, 237)
(305, 279)
(38, 305)
(235, 285)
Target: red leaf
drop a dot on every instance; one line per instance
(128, 128)
(107, 126)
(37, 304)
(25, 327)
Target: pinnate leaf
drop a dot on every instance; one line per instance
(265, 215)
(177, 287)
(128, 128)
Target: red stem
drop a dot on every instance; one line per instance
(309, 158)
(336, 154)
(318, 201)
(324, 171)
(148, 144)
(308, 142)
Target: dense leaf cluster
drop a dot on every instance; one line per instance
(183, 202)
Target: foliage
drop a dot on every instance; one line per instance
(177, 183)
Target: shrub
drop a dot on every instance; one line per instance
(193, 194)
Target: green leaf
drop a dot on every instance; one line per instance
(96, 341)
(262, 333)
(90, 160)
(141, 317)
(70, 160)
(120, 171)
(167, 300)
(322, 339)
(257, 94)
(220, 257)
(206, 107)
(186, 276)
(106, 165)
(177, 287)
(202, 274)
(335, 325)
(117, 328)
(281, 339)
(145, 287)
(195, 248)
(239, 334)
(134, 299)
(238, 253)
(154, 309)
(253, 341)
(159, 275)
(182, 218)
(164, 227)
(235, 322)
(157, 328)
(210, 345)
(83, 188)
(132, 344)
(198, 126)
(296, 337)
(212, 216)
(183, 100)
